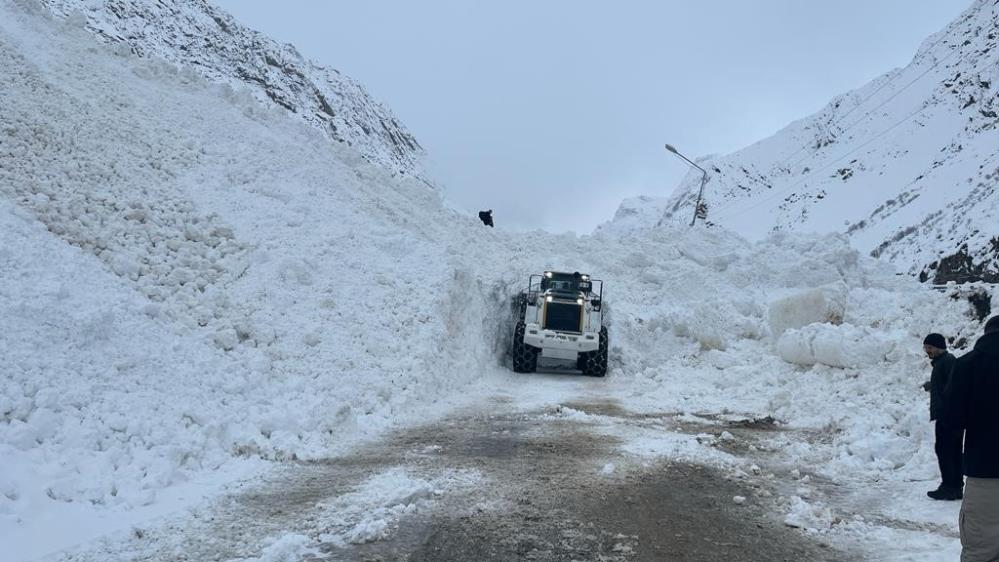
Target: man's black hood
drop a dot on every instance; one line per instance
(988, 344)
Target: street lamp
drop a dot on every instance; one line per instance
(704, 179)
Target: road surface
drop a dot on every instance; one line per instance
(557, 483)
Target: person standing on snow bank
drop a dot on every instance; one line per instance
(973, 405)
(949, 439)
(486, 217)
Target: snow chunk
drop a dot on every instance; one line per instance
(812, 517)
(836, 346)
(368, 530)
(396, 487)
(288, 548)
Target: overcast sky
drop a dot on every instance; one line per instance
(551, 112)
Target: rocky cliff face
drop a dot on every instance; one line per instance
(202, 37)
(907, 165)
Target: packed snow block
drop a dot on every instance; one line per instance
(704, 323)
(823, 304)
(843, 346)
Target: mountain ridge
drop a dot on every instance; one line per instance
(198, 35)
(906, 165)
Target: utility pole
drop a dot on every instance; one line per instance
(704, 179)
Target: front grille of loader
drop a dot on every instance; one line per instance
(563, 316)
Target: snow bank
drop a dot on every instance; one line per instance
(189, 279)
(87, 363)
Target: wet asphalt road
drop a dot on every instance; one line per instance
(560, 509)
(539, 494)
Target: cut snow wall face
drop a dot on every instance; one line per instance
(478, 320)
(825, 304)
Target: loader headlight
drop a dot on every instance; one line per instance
(586, 278)
(579, 302)
(549, 298)
(548, 274)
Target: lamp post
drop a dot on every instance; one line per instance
(704, 179)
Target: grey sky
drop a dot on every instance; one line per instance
(551, 113)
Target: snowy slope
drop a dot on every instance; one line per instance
(907, 165)
(636, 213)
(191, 280)
(190, 277)
(202, 37)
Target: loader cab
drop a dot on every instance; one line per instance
(566, 282)
(568, 285)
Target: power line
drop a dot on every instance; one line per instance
(889, 81)
(867, 115)
(861, 103)
(866, 99)
(780, 193)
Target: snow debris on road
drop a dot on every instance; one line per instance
(372, 512)
(288, 548)
(811, 517)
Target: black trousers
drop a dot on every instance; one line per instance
(949, 448)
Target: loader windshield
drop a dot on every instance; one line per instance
(566, 282)
(567, 286)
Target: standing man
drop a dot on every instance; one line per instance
(973, 404)
(949, 438)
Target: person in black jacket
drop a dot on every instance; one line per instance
(973, 404)
(486, 217)
(949, 439)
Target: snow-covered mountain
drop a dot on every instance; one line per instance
(204, 38)
(907, 165)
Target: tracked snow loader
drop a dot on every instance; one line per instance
(560, 316)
